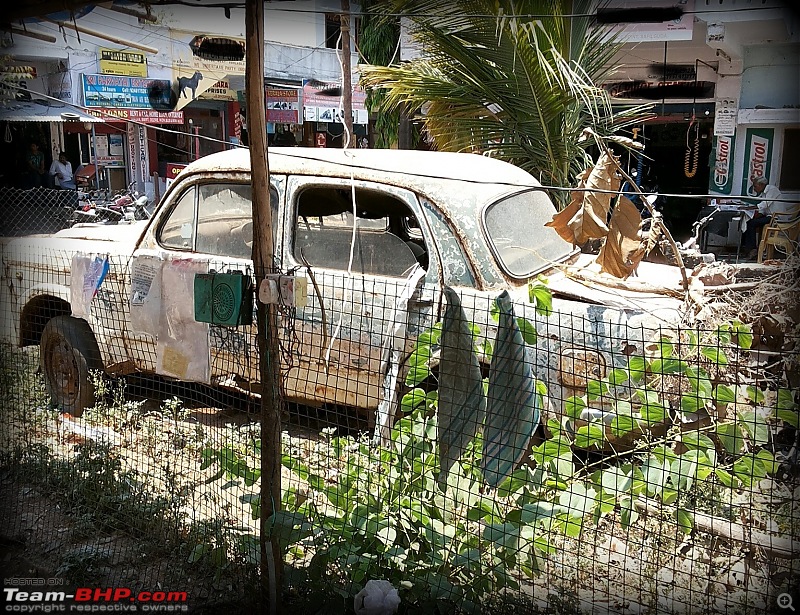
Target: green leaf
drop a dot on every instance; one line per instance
(792, 417)
(387, 535)
(727, 479)
(724, 394)
(417, 374)
(637, 367)
(574, 406)
(589, 435)
(578, 499)
(622, 425)
(767, 460)
(785, 400)
(715, 354)
(596, 389)
(755, 426)
(420, 356)
(685, 520)
(749, 469)
(551, 449)
(541, 296)
(655, 475)
(724, 334)
(665, 347)
(665, 367)
(755, 394)
(617, 377)
(692, 337)
(628, 515)
(653, 414)
(743, 335)
(528, 330)
(430, 337)
(682, 472)
(731, 437)
(697, 441)
(412, 399)
(691, 404)
(615, 481)
(198, 552)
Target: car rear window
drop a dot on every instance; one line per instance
(518, 237)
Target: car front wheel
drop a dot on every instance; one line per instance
(68, 352)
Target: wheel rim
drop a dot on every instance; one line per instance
(61, 369)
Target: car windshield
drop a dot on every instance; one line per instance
(522, 244)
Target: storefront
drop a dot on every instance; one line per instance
(48, 126)
(322, 114)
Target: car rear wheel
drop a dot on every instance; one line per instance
(68, 352)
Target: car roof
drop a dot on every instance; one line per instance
(412, 169)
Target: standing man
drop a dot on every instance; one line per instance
(34, 166)
(769, 205)
(61, 169)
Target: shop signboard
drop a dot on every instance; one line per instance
(117, 92)
(144, 116)
(679, 29)
(757, 157)
(721, 176)
(173, 168)
(194, 75)
(283, 105)
(221, 90)
(126, 63)
(322, 101)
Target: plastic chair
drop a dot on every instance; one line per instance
(86, 177)
(782, 232)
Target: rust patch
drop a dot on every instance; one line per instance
(576, 366)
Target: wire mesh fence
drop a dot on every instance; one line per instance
(34, 211)
(441, 450)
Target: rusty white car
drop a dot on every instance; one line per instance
(381, 231)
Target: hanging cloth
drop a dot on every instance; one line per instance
(462, 405)
(513, 404)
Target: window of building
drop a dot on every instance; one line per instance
(790, 159)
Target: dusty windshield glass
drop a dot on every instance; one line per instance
(517, 234)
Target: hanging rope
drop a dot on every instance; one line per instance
(692, 155)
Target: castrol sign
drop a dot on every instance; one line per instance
(721, 179)
(757, 157)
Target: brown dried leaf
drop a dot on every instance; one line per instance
(560, 221)
(623, 250)
(589, 222)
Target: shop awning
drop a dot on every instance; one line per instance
(39, 112)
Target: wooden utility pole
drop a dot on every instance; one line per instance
(266, 314)
(347, 78)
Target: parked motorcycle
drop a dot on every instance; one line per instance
(126, 206)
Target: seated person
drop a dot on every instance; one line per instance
(61, 170)
(769, 205)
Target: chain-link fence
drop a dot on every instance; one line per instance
(475, 451)
(35, 211)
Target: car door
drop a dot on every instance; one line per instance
(206, 227)
(371, 283)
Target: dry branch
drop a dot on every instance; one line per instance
(774, 546)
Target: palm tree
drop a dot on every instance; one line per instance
(515, 79)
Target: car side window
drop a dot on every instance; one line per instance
(383, 244)
(223, 225)
(225, 220)
(178, 230)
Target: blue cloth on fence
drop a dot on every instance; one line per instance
(462, 405)
(513, 404)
